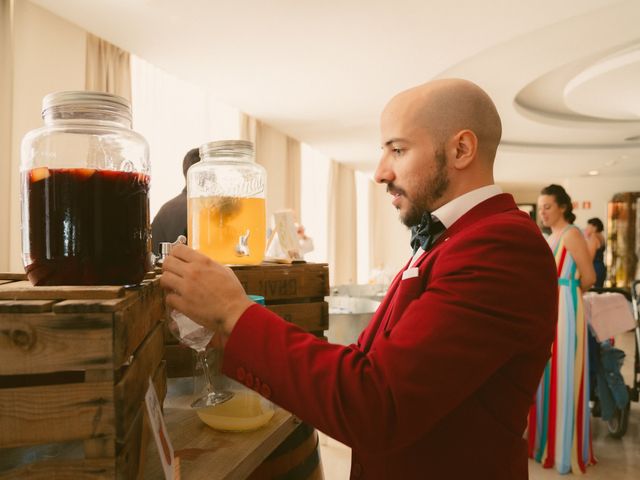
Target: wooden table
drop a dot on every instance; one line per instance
(208, 454)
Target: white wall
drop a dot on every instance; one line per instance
(49, 55)
(522, 193)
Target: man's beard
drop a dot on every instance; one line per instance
(428, 193)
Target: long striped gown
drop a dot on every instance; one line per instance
(559, 433)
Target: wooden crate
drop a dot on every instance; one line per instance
(294, 291)
(74, 368)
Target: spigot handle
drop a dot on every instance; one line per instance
(165, 250)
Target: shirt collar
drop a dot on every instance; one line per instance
(456, 208)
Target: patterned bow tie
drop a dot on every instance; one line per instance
(426, 232)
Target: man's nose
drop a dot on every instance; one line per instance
(383, 173)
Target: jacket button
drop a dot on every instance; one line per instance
(265, 390)
(248, 380)
(240, 373)
(356, 470)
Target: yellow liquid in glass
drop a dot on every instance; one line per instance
(245, 411)
(216, 225)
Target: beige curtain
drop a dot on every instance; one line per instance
(248, 128)
(6, 113)
(292, 192)
(280, 155)
(107, 68)
(342, 228)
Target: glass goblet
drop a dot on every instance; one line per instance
(197, 337)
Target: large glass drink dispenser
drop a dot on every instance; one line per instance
(84, 193)
(226, 203)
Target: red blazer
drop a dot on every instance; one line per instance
(440, 383)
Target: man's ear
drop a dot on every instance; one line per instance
(466, 148)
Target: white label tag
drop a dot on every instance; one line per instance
(410, 273)
(163, 443)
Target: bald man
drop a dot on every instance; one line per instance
(439, 384)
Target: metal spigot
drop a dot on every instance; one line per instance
(242, 248)
(165, 250)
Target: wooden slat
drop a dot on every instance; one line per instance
(94, 469)
(25, 291)
(308, 316)
(160, 380)
(130, 454)
(285, 282)
(46, 342)
(26, 306)
(55, 413)
(13, 276)
(132, 450)
(133, 323)
(129, 392)
(169, 338)
(132, 294)
(93, 375)
(104, 447)
(95, 305)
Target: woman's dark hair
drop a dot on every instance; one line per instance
(596, 222)
(562, 198)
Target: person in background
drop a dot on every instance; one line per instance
(559, 433)
(596, 244)
(439, 384)
(171, 219)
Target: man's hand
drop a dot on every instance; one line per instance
(205, 291)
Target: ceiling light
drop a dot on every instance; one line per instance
(593, 173)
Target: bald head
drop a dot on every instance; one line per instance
(445, 107)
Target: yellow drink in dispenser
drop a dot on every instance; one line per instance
(229, 230)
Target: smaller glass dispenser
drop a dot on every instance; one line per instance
(226, 203)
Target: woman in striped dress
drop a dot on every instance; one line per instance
(559, 433)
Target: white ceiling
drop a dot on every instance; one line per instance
(565, 75)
